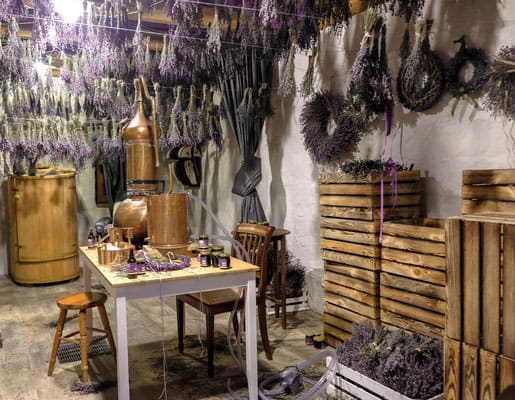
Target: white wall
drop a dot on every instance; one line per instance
(440, 145)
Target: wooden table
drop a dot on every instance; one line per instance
(279, 279)
(189, 280)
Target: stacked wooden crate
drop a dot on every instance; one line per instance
(488, 191)
(412, 291)
(479, 347)
(350, 211)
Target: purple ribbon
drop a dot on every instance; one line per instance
(391, 170)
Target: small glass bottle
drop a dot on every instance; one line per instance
(131, 262)
(92, 240)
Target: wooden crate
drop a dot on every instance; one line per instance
(481, 282)
(413, 276)
(487, 191)
(349, 240)
(473, 373)
(344, 196)
(351, 294)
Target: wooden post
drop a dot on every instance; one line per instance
(453, 326)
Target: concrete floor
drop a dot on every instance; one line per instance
(27, 313)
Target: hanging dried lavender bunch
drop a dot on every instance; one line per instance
(11, 8)
(334, 13)
(469, 89)
(306, 88)
(500, 89)
(13, 50)
(287, 85)
(328, 109)
(421, 80)
(407, 8)
(365, 69)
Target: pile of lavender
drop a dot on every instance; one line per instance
(361, 168)
(410, 364)
(174, 263)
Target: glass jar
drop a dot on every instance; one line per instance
(224, 261)
(205, 258)
(203, 241)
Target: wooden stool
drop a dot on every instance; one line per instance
(81, 301)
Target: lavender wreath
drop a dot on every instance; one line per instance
(467, 89)
(500, 88)
(327, 108)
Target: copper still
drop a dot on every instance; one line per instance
(116, 250)
(140, 137)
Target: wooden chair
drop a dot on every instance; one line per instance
(81, 301)
(256, 242)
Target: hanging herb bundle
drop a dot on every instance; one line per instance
(406, 8)
(469, 89)
(327, 109)
(500, 88)
(421, 79)
(287, 85)
(306, 88)
(370, 82)
(335, 14)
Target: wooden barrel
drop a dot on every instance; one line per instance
(167, 220)
(43, 227)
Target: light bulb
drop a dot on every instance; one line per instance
(69, 10)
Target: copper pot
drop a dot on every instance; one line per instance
(132, 212)
(167, 220)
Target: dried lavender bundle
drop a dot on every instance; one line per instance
(287, 86)
(500, 89)
(421, 79)
(306, 88)
(407, 8)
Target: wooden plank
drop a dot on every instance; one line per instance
(483, 206)
(337, 322)
(506, 372)
(344, 313)
(488, 373)
(354, 272)
(498, 218)
(414, 272)
(470, 371)
(358, 284)
(355, 295)
(414, 313)
(414, 245)
(370, 201)
(351, 259)
(413, 299)
(452, 369)
(336, 342)
(369, 189)
(424, 260)
(401, 321)
(350, 236)
(491, 286)
(350, 225)
(406, 284)
(472, 283)
(352, 248)
(337, 333)
(508, 315)
(347, 212)
(356, 306)
(425, 229)
(453, 288)
(488, 176)
(488, 192)
(340, 177)
(397, 212)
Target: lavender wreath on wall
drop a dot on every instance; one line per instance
(326, 109)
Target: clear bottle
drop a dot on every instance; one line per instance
(92, 240)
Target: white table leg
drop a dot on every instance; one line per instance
(251, 340)
(122, 351)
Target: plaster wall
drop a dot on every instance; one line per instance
(440, 145)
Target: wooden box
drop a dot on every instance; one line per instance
(413, 276)
(350, 210)
(488, 191)
(473, 373)
(349, 384)
(481, 282)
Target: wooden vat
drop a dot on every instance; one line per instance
(43, 227)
